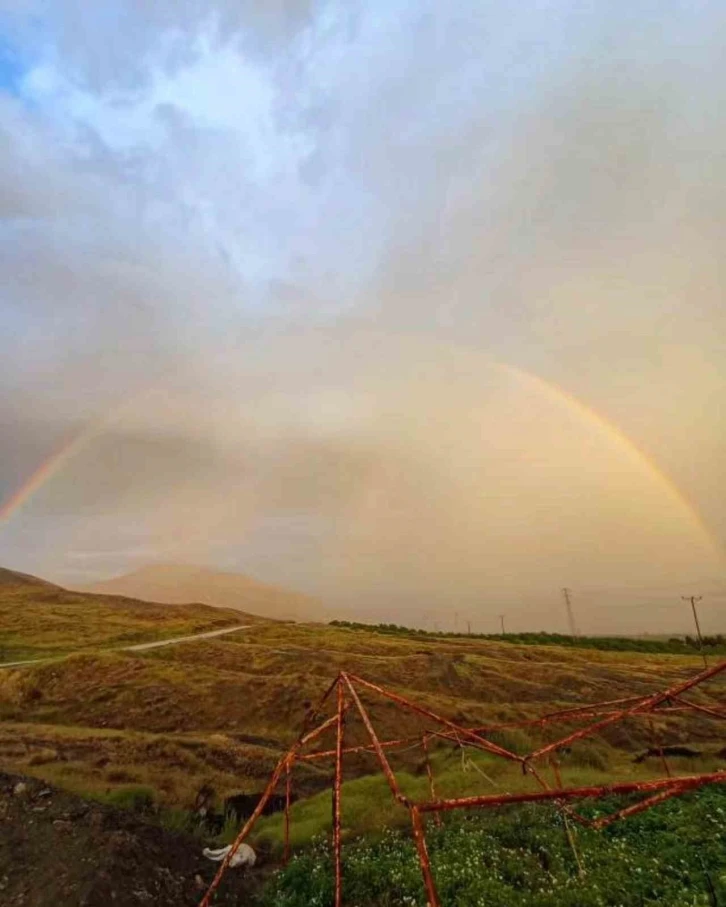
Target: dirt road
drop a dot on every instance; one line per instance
(144, 646)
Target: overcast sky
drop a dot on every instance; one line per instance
(416, 306)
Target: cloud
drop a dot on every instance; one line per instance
(302, 231)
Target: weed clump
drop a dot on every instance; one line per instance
(139, 798)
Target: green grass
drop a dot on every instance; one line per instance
(712, 645)
(221, 711)
(368, 806)
(38, 621)
(136, 797)
(674, 856)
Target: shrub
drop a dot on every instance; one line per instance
(589, 756)
(672, 855)
(137, 797)
(513, 739)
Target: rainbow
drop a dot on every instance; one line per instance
(56, 462)
(557, 395)
(64, 453)
(45, 472)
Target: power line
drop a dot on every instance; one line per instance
(693, 599)
(567, 593)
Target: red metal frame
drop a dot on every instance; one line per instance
(440, 728)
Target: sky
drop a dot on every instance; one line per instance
(417, 307)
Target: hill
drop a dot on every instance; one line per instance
(175, 584)
(39, 619)
(12, 579)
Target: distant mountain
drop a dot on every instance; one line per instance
(178, 585)
(15, 579)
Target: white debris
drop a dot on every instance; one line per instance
(244, 855)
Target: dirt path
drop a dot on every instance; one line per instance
(143, 646)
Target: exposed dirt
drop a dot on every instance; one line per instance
(57, 849)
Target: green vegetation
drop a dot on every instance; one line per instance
(146, 730)
(136, 797)
(39, 620)
(220, 711)
(714, 645)
(673, 855)
(367, 805)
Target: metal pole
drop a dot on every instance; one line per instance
(385, 765)
(337, 794)
(684, 783)
(469, 735)
(501, 621)
(429, 772)
(693, 599)
(432, 897)
(658, 746)
(272, 784)
(645, 705)
(276, 775)
(288, 786)
(570, 614)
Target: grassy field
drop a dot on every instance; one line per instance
(250, 690)
(39, 620)
(159, 724)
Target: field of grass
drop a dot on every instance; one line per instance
(252, 688)
(367, 805)
(153, 727)
(42, 620)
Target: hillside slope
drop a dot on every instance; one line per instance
(12, 579)
(176, 584)
(39, 619)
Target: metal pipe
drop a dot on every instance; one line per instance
(646, 704)
(288, 791)
(365, 748)
(387, 770)
(337, 792)
(429, 772)
(656, 740)
(700, 708)
(419, 837)
(272, 784)
(689, 782)
(401, 700)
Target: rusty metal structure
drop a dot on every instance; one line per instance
(348, 689)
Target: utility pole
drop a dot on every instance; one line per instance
(567, 593)
(468, 627)
(693, 599)
(501, 620)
